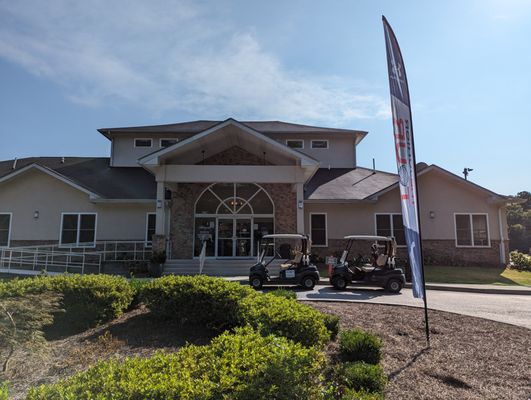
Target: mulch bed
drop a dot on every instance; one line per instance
(469, 358)
(136, 333)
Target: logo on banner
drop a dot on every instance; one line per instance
(403, 174)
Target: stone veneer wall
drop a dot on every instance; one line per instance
(285, 201)
(182, 218)
(182, 214)
(235, 156)
(436, 252)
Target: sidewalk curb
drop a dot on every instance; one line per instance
(521, 292)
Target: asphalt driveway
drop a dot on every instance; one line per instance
(508, 308)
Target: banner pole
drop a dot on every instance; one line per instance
(403, 93)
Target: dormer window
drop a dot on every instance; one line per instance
(295, 143)
(143, 142)
(168, 142)
(319, 144)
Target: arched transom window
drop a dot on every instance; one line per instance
(234, 198)
(230, 219)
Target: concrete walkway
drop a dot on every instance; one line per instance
(510, 309)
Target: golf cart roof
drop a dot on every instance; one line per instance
(285, 236)
(368, 237)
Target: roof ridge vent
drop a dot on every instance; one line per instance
(14, 163)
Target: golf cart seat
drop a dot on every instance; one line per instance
(295, 261)
(367, 268)
(381, 260)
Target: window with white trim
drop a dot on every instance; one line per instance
(78, 229)
(167, 142)
(143, 142)
(471, 230)
(391, 225)
(151, 221)
(5, 229)
(318, 229)
(319, 144)
(295, 143)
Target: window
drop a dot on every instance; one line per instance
(143, 142)
(391, 225)
(295, 144)
(5, 229)
(151, 220)
(78, 230)
(472, 230)
(319, 144)
(167, 142)
(318, 229)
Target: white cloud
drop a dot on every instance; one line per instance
(170, 56)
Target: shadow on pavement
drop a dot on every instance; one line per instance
(328, 293)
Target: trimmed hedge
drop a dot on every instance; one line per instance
(332, 324)
(221, 305)
(87, 299)
(357, 345)
(288, 294)
(241, 366)
(213, 302)
(361, 376)
(271, 314)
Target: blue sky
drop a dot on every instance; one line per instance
(68, 68)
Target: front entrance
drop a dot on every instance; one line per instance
(231, 218)
(234, 237)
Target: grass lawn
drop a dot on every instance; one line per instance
(477, 275)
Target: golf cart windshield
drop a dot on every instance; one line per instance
(380, 259)
(299, 252)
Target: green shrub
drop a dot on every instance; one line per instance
(137, 285)
(520, 261)
(241, 366)
(285, 317)
(357, 345)
(332, 324)
(4, 391)
(86, 299)
(360, 376)
(203, 300)
(288, 294)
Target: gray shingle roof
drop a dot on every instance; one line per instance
(199, 126)
(349, 184)
(94, 174)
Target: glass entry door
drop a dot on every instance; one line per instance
(234, 237)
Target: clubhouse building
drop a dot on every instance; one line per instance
(227, 183)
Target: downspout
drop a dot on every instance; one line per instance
(502, 239)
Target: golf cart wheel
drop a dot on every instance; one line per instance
(308, 282)
(394, 286)
(256, 282)
(339, 283)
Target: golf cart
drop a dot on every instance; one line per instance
(295, 270)
(379, 270)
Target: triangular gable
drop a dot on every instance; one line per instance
(204, 137)
(51, 173)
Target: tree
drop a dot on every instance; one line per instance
(519, 222)
(22, 320)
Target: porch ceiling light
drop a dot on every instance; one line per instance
(432, 214)
(36, 214)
